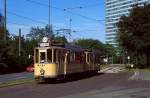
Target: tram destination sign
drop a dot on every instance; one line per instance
(44, 44)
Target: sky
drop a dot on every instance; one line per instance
(88, 16)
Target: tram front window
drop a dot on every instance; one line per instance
(42, 57)
(49, 55)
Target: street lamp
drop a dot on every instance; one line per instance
(128, 59)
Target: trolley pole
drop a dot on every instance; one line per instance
(19, 42)
(70, 27)
(5, 24)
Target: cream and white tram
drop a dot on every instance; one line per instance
(52, 62)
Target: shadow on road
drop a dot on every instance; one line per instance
(71, 78)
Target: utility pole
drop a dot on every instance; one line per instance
(5, 29)
(49, 13)
(49, 18)
(19, 42)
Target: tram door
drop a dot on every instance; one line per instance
(88, 60)
(59, 57)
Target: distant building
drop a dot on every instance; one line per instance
(114, 10)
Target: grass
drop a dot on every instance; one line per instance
(16, 82)
(137, 69)
(144, 69)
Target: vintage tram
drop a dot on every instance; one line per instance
(54, 61)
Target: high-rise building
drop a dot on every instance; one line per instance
(114, 10)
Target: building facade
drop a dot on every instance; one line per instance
(114, 10)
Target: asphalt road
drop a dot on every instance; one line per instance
(116, 85)
(15, 76)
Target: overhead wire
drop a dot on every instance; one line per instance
(25, 17)
(37, 21)
(60, 9)
(82, 7)
(19, 24)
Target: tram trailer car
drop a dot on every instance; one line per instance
(53, 62)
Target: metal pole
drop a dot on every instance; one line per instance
(49, 18)
(5, 31)
(112, 59)
(19, 42)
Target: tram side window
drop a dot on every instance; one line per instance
(56, 52)
(36, 55)
(82, 57)
(92, 58)
(49, 55)
(71, 57)
(58, 56)
(88, 57)
(78, 57)
(61, 56)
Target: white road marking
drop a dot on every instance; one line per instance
(20, 77)
(112, 70)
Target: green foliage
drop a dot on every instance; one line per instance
(37, 33)
(1, 27)
(90, 44)
(105, 49)
(110, 50)
(59, 39)
(133, 31)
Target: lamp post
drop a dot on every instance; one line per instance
(19, 42)
(128, 59)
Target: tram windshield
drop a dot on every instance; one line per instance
(42, 57)
(49, 55)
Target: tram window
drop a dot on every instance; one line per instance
(58, 55)
(89, 57)
(78, 57)
(68, 57)
(92, 58)
(55, 55)
(82, 57)
(62, 56)
(49, 55)
(36, 55)
(42, 57)
(72, 57)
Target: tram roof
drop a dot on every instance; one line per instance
(50, 47)
(75, 48)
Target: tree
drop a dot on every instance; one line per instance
(37, 33)
(134, 31)
(91, 44)
(1, 27)
(60, 39)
